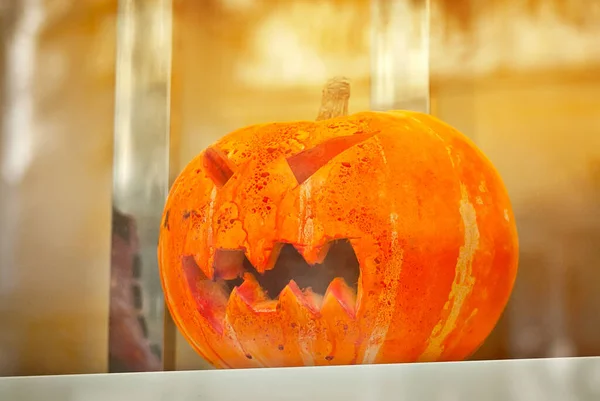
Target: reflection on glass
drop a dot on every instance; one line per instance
(130, 349)
(400, 55)
(141, 173)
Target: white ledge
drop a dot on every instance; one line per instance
(560, 379)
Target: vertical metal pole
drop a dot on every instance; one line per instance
(400, 55)
(141, 181)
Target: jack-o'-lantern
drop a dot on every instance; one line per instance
(373, 238)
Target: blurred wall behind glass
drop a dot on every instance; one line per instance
(57, 86)
(519, 77)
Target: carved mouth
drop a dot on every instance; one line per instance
(231, 268)
(340, 262)
(337, 274)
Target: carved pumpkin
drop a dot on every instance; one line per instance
(370, 238)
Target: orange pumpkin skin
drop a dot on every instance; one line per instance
(425, 211)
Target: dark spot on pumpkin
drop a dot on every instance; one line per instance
(186, 215)
(293, 325)
(280, 347)
(166, 222)
(248, 356)
(345, 164)
(329, 358)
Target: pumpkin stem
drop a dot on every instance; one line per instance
(334, 101)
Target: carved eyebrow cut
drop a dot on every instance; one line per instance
(309, 161)
(217, 166)
(220, 169)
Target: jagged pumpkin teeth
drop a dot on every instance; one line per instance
(306, 298)
(258, 328)
(209, 297)
(303, 326)
(343, 294)
(338, 313)
(228, 264)
(199, 254)
(263, 258)
(250, 291)
(314, 254)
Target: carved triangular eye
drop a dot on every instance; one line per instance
(340, 261)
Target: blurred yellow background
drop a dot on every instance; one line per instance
(521, 78)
